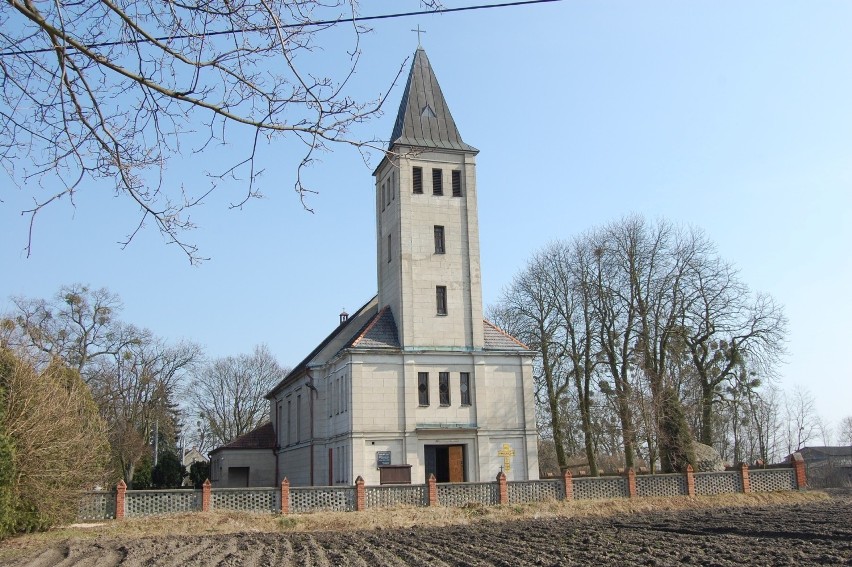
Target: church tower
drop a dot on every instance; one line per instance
(427, 233)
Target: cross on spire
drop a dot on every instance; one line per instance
(419, 31)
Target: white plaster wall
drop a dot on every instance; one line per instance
(294, 463)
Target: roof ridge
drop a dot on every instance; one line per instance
(370, 325)
(499, 330)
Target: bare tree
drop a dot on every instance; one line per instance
(803, 424)
(229, 394)
(527, 310)
(136, 391)
(77, 326)
(845, 430)
(111, 90)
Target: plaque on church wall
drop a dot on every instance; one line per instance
(383, 458)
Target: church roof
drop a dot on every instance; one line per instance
(372, 328)
(424, 119)
(380, 332)
(498, 339)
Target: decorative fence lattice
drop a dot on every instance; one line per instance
(98, 505)
(599, 488)
(389, 496)
(101, 505)
(717, 483)
(771, 480)
(152, 502)
(246, 499)
(661, 485)
(459, 494)
(323, 498)
(535, 491)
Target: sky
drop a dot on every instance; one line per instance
(732, 117)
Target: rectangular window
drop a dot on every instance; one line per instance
(464, 388)
(439, 239)
(384, 195)
(437, 182)
(289, 420)
(441, 299)
(444, 388)
(389, 248)
(417, 179)
(456, 183)
(423, 388)
(393, 185)
(298, 419)
(389, 190)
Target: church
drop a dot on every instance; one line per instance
(416, 382)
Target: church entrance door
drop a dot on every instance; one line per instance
(446, 462)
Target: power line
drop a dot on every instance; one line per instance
(290, 26)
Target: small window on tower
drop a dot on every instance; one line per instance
(444, 388)
(417, 179)
(437, 182)
(389, 248)
(423, 388)
(457, 183)
(441, 299)
(439, 239)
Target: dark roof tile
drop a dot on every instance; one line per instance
(262, 437)
(424, 119)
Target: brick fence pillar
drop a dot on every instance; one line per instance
(432, 490)
(690, 481)
(798, 463)
(285, 496)
(360, 495)
(502, 489)
(568, 481)
(631, 482)
(744, 477)
(205, 496)
(120, 490)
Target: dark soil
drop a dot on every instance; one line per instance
(805, 534)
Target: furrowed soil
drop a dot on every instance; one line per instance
(806, 532)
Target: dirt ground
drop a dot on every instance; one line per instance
(809, 533)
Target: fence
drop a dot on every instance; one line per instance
(123, 503)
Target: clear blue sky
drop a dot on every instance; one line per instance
(734, 117)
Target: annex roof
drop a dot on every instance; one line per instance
(263, 437)
(424, 119)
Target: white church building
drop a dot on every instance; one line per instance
(415, 382)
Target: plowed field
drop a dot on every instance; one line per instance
(817, 533)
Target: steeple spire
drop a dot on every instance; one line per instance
(424, 119)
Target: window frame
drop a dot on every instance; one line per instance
(417, 180)
(423, 389)
(464, 388)
(440, 242)
(444, 389)
(437, 181)
(441, 300)
(457, 188)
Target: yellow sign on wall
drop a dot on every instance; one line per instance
(507, 453)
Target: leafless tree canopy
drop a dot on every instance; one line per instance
(229, 395)
(634, 321)
(134, 377)
(110, 89)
